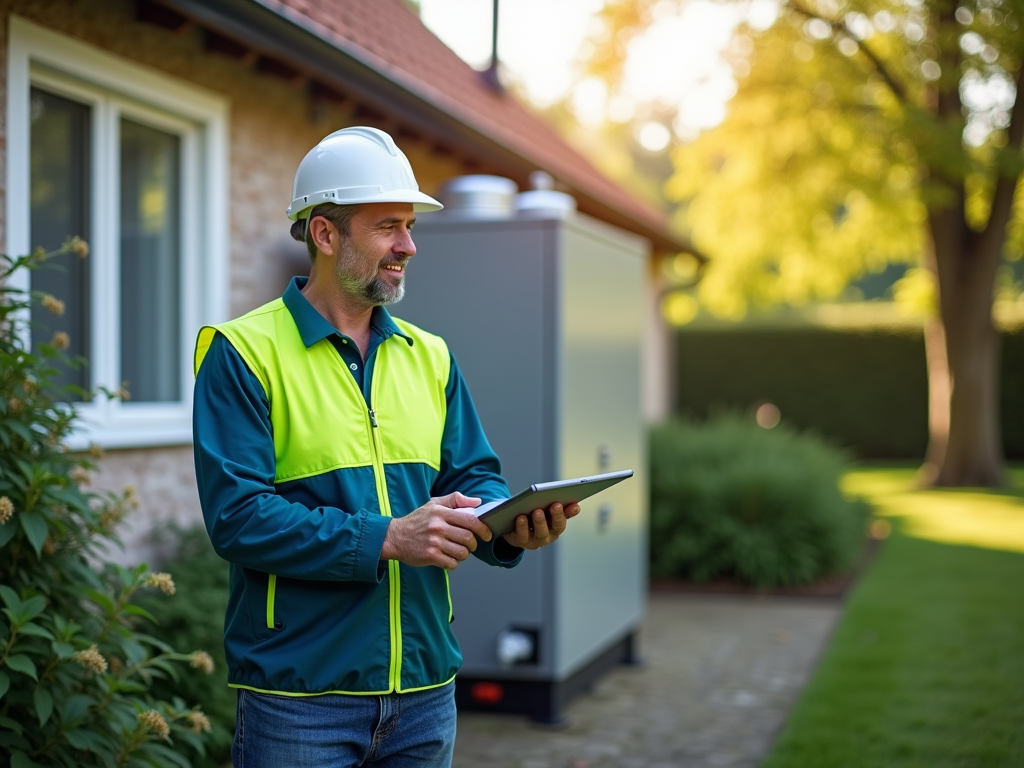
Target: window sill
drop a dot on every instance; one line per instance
(116, 425)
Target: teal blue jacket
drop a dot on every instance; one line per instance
(303, 451)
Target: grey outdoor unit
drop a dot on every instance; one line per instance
(544, 316)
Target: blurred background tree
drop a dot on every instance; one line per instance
(860, 134)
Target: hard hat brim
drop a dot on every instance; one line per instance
(421, 203)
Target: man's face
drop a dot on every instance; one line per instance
(371, 260)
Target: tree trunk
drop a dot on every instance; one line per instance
(962, 345)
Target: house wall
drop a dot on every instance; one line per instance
(272, 125)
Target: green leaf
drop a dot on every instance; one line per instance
(5, 683)
(62, 650)
(84, 739)
(167, 754)
(101, 600)
(33, 607)
(193, 740)
(44, 704)
(166, 667)
(78, 739)
(17, 481)
(7, 531)
(22, 663)
(135, 610)
(24, 432)
(35, 528)
(134, 651)
(159, 644)
(20, 760)
(35, 630)
(75, 707)
(10, 598)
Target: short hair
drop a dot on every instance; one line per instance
(339, 215)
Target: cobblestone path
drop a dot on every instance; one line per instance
(719, 675)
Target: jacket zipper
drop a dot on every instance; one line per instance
(394, 576)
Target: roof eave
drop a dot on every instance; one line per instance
(276, 30)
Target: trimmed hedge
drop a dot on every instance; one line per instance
(732, 500)
(864, 389)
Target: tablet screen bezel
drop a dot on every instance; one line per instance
(501, 517)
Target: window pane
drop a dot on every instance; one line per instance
(150, 263)
(59, 209)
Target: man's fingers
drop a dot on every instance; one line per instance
(572, 510)
(540, 524)
(458, 501)
(470, 522)
(522, 531)
(461, 536)
(455, 551)
(558, 517)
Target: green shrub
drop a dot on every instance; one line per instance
(196, 620)
(732, 500)
(76, 672)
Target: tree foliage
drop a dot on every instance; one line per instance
(76, 665)
(834, 150)
(862, 133)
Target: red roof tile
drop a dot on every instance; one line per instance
(386, 36)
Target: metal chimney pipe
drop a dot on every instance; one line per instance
(490, 75)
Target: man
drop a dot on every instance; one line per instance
(339, 457)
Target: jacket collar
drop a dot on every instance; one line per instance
(314, 327)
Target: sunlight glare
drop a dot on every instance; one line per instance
(653, 136)
(538, 40)
(588, 101)
(678, 61)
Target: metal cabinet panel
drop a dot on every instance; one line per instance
(544, 317)
(599, 566)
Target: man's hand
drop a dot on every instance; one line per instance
(437, 533)
(544, 530)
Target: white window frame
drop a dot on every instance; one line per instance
(114, 88)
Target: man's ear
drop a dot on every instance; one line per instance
(323, 234)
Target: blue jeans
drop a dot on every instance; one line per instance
(397, 730)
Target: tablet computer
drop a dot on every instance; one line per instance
(501, 515)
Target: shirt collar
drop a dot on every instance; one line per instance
(314, 327)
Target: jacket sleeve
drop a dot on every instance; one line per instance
(248, 522)
(470, 466)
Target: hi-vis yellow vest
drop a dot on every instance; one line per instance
(344, 637)
(315, 402)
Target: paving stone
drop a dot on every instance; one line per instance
(719, 676)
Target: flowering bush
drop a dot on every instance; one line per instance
(195, 619)
(75, 669)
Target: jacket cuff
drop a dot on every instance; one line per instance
(371, 542)
(504, 554)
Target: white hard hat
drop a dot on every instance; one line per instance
(356, 165)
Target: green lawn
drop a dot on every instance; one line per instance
(926, 668)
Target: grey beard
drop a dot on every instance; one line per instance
(375, 292)
(379, 292)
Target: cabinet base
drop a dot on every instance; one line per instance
(542, 700)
